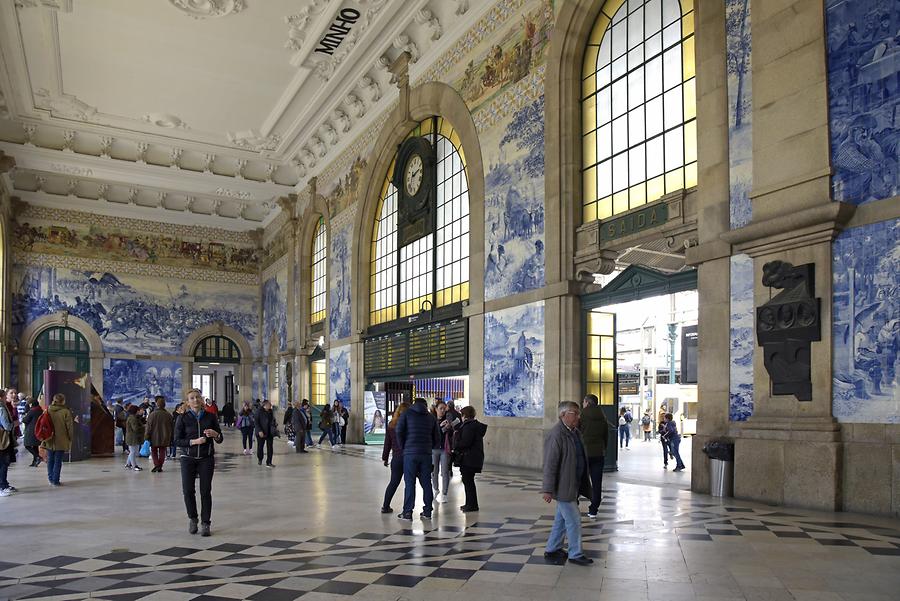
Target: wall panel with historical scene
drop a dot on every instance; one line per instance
(866, 327)
(740, 109)
(132, 380)
(131, 313)
(339, 387)
(274, 310)
(743, 339)
(339, 259)
(514, 362)
(513, 152)
(864, 98)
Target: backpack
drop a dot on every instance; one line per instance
(43, 429)
(628, 417)
(645, 420)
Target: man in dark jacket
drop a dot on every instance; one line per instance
(266, 429)
(565, 478)
(468, 451)
(300, 424)
(418, 433)
(595, 432)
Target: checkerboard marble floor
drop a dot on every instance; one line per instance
(310, 529)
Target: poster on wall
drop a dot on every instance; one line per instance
(375, 412)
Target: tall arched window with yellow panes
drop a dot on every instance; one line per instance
(432, 271)
(318, 274)
(638, 105)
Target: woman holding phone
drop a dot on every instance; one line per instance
(195, 432)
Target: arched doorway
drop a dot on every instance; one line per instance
(216, 368)
(60, 348)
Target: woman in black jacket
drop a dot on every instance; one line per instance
(195, 432)
(31, 441)
(468, 455)
(266, 431)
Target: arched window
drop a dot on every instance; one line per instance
(217, 349)
(434, 268)
(318, 273)
(638, 105)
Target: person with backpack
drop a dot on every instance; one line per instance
(195, 434)
(624, 428)
(245, 423)
(647, 425)
(7, 449)
(29, 420)
(673, 438)
(266, 431)
(60, 440)
(134, 438)
(326, 425)
(300, 425)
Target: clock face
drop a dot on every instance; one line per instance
(412, 179)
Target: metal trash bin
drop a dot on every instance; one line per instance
(721, 467)
(721, 478)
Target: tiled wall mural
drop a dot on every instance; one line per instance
(743, 339)
(257, 386)
(514, 203)
(274, 310)
(740, 109)
(866, 328)
(132, 380)
(339, 375)
(514, 362)
(864, 98)
(132, 314)
(109, 243)
(339, 277)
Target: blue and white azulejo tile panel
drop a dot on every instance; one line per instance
(133, 380)
(514, 361)
(514, 203)
(274, 311)
(339, 280)
(864, 98)
(743, 339)
(740, 109)
(339, 375)
(866, 324)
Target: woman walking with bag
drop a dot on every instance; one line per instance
(195, 433)
(326, 425)
(246, 424)
(134, 438)
(468, 454)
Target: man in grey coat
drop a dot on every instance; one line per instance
(565, 478)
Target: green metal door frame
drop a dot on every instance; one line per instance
(47, 346)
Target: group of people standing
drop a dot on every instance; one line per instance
(420, 446)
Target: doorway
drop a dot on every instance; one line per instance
(640, 356)
(58, 348)
(216, 363)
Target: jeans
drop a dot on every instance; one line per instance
(330, 434)
(468, 480)
(665, 446)
(54, 465)
(673, 446)
(158, 455)
(336, 435)
(624, 435)
(247, 437)
(396, 477)
(440, 459)
(4, 469)
(268, 443)
(309, 441)
(566, 523)
(132, 456)
(191, 467)
(595, 464)
(417, 467)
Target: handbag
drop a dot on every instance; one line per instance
(145, 449)
(5, 439)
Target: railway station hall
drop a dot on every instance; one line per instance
(450, 300)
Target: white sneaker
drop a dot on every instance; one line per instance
(5, 492)
(442, 498)
(290, 444)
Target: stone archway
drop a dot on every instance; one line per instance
(59, 319)
(245, 376)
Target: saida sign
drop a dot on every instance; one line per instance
(632, 223)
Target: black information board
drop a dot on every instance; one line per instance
(433, 348)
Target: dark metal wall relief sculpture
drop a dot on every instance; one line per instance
(787, 325)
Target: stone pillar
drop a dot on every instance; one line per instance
(711, 255)
(790, 452)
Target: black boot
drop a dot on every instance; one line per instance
(192, 527)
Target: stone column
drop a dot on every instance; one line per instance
(790, 452)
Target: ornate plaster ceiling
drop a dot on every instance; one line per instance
(232, 100)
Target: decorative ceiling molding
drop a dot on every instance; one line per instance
(64, 106)
(300, 21)
(59, 5)
(208, 9)
(164, 120)
(252, 140)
